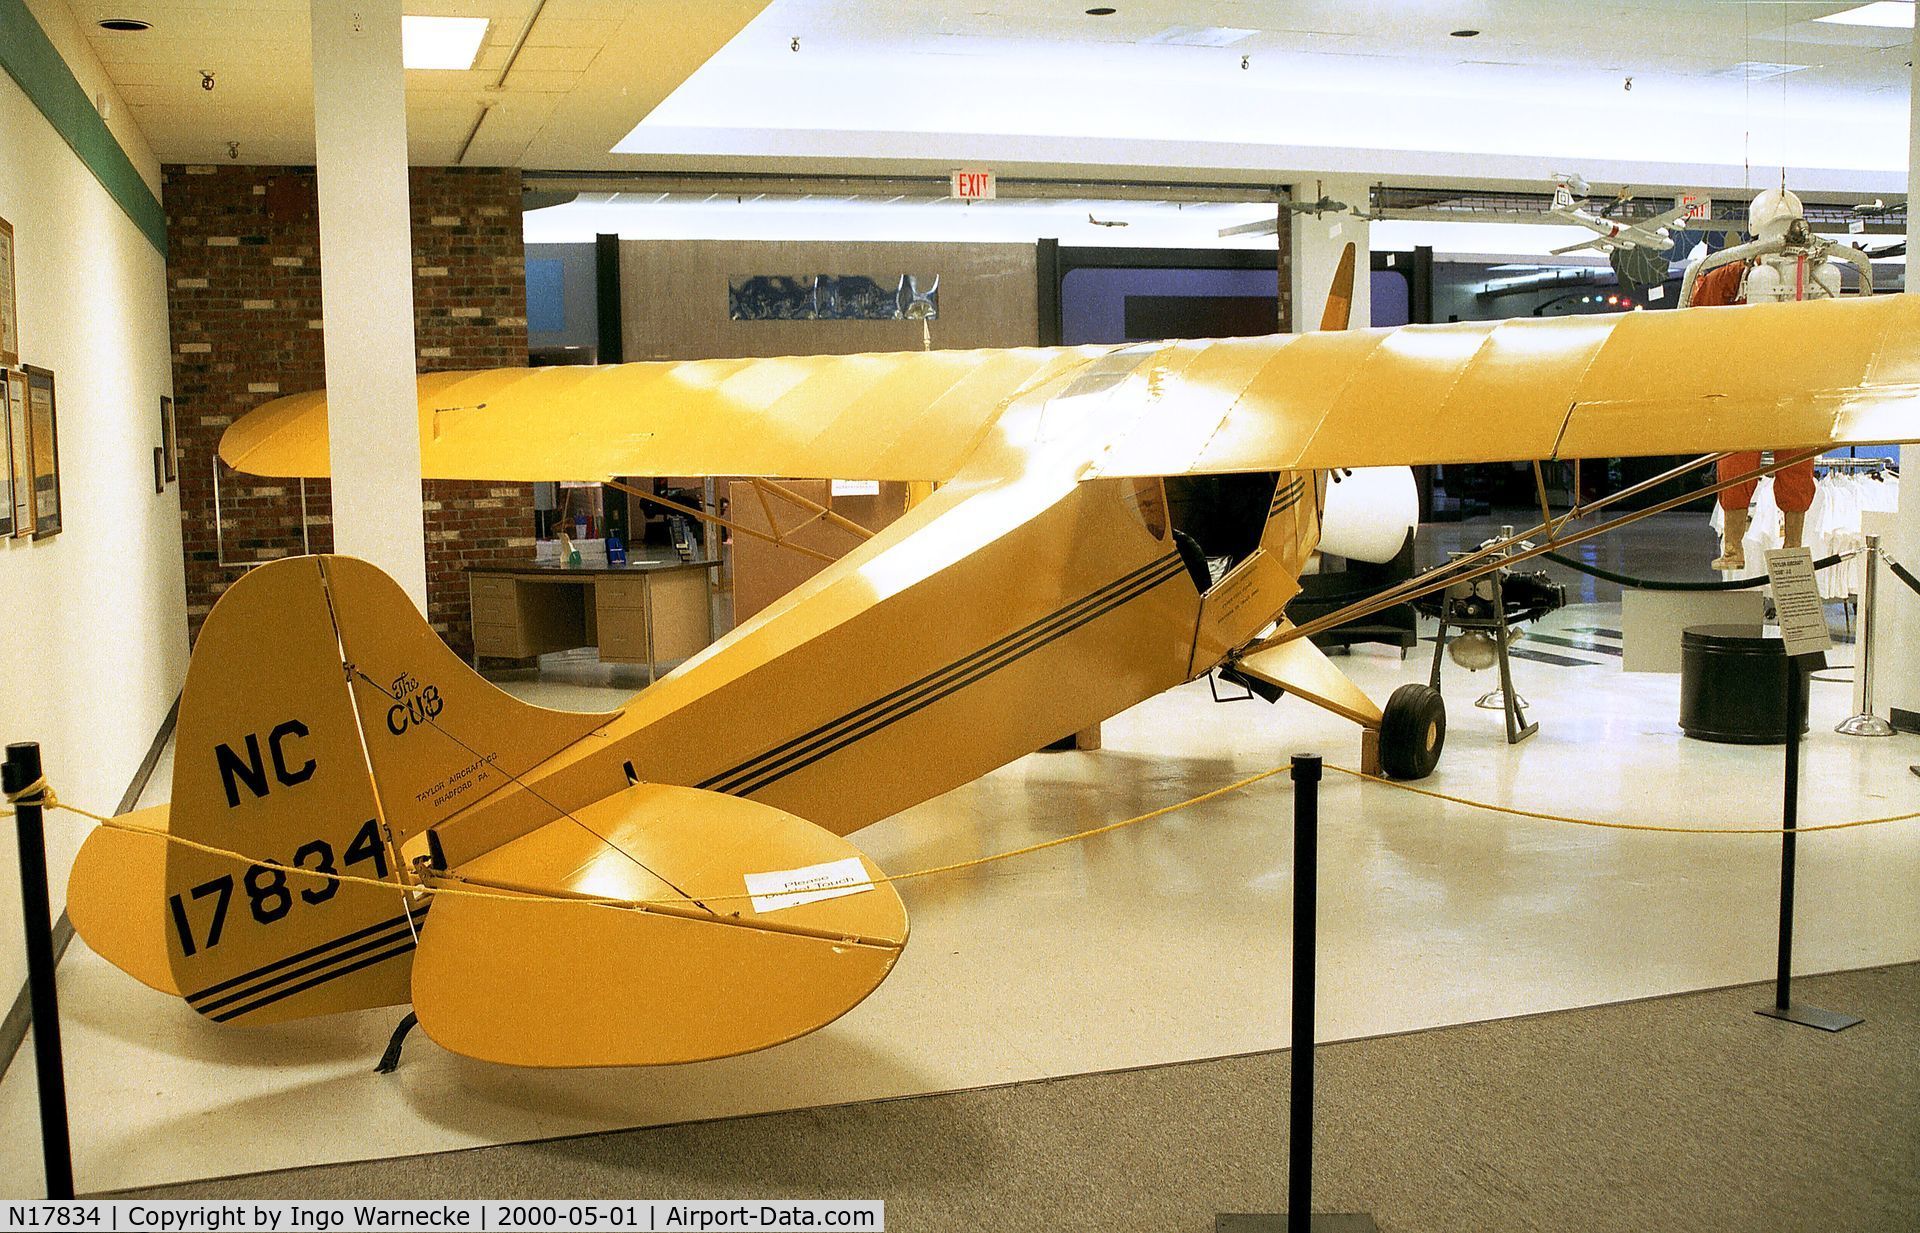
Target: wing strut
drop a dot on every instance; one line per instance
(717, 520)
(1486, 559)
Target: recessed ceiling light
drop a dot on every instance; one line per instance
(1102, 11)
(125, 25)
(1465, 34)
(441, 42)
(1889, 13)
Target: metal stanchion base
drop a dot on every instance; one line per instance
(1811, 1016)
(1270, 1222)
(1497, 701)
(1864, 725)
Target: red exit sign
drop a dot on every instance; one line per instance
(974, 184)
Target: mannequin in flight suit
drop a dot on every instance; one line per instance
(1784, 261)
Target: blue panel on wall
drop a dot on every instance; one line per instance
(546, 294)
(1093, 300)
(1392, 298)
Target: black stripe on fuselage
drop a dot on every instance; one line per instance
(403, 934)
(1287, 497)
(758, 762)
(309, 953)
(227, 1015)
(871, 724)
(809, 747)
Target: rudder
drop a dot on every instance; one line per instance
(323, 725)
(268, 762)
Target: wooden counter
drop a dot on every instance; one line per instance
(647, 612)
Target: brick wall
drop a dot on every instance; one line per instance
(243, 282)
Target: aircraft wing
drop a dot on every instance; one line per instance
(1688, 381)
(1598, 244)
(912, 415)
(1768, 376)
(1666, 219)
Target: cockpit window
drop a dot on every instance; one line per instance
(1218, 520)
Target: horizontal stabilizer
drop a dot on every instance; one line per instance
(733, 954)
(114, 898)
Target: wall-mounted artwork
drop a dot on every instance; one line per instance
(43, 454)
(6, 455)
(832, 297)
(169, 439)
(19, 477)
(159, 470)
(9, 299)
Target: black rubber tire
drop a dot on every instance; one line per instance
(1413, 731)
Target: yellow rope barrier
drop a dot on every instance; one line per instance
(1623, 826)
(47, 800)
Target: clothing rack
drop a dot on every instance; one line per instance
(1870, 466)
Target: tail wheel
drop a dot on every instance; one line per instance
(1413, 731)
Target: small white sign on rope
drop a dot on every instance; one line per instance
(1797, 603)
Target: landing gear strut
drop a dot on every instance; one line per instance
(1413, 730)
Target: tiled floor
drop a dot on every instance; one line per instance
(1160, 942)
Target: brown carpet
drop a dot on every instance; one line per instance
(1681, 1113)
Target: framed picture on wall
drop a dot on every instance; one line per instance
(9, 301)
(169, 439)
(43, 454)
(19, 478)
(159, 470)
(6, 455)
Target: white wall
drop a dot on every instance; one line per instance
(1318, 244)
(69, 38)
(92, 621)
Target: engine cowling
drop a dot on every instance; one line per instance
(1369, 513)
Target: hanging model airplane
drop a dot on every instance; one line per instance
(670, 882)
(1609, 236)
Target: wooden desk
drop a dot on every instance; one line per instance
(647, 613)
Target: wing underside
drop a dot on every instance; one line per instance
(913, 415)
(1835, 372)
(1765, 376)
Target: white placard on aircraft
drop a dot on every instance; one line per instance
(789, 888)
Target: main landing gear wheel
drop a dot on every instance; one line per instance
(1413, 730)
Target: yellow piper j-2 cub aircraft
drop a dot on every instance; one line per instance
(670, 882)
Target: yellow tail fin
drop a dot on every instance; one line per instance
(285, 753)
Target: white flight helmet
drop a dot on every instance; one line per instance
(1772, 212)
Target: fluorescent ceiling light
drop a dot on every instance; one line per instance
(441, 42)
(1200, 36)
(1893, 14)
(1761, 70)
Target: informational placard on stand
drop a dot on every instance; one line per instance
(1796, 601)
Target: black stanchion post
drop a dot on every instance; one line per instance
(1300, 1217)
(20, 771)
(1784, 1006)
(1306, 858)
(1789, 822)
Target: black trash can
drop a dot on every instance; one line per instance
(1733, 685)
